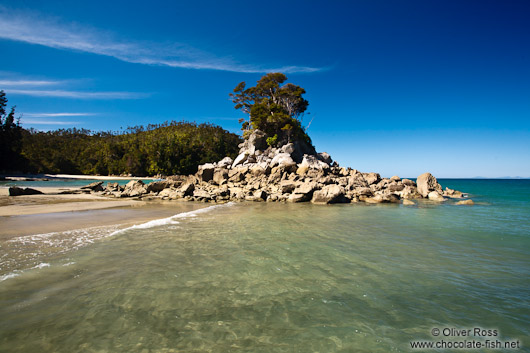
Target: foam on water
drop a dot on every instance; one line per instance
(173, 219)
(41, 265)
(29, 251)
(9, 275)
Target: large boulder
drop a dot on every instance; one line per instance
(134, 188)
(408, 182)
(205, 172)
(435, 196)
(257, 140)
(372, 178)
(240, 159)
(187, 189)
(428, 183)
(95, 186)
(312, 162)
(329, 194)
(220, 175)
(225, 162)
(283, 160)
(201, 195)
(325, 157)
(157, 186)
(16, 191)
(304, 192)
(357, 179)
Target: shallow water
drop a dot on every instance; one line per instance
(281, 278)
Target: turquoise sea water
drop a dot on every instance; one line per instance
(258, 277)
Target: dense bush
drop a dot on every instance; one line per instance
(169, 148)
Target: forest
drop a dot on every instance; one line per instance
(167, 149)
(162, 149)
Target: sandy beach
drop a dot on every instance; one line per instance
(54, 212)
(51, 201)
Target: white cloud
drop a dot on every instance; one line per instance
(50, 33)
(77, 94)
(50, 122)
(17, 83)
(54, 115)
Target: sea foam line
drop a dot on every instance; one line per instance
(17, 273)
(172, 219)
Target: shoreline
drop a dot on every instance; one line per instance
(52, 201)
(42, 214)
(23, 177)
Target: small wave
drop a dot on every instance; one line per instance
(9, 275)
(41, 265)
(173, 219)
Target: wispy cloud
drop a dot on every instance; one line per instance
(25, 83)
(51, 33)
(50, 122)
(55, 115)
(77, 94)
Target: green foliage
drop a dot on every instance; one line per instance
(272, 107)
(271, 141)
(169, 148)
(10, 138)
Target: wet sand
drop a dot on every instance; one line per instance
(51, 212)
(52, 201)
(124, 216)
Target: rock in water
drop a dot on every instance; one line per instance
(329, 194)
(435, 196)
(465, 202)
(427, 183)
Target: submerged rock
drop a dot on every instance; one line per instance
(465, 202)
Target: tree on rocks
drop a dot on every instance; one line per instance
(273, 108)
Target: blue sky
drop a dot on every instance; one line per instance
(396, 87)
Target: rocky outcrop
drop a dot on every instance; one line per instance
(16, 191)
(288, 172)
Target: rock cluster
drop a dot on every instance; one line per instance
(262, 173)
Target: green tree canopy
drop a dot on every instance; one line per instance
(272, 107)
(10, 137)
